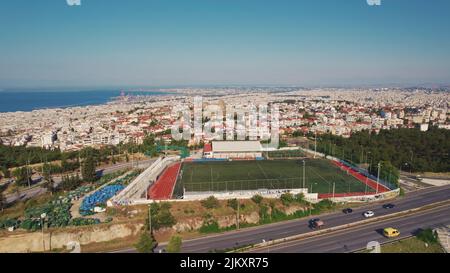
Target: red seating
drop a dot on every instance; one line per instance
(162, 189)
(369, 182)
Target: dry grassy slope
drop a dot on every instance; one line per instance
(128, 223)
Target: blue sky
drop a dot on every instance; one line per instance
(186, 42)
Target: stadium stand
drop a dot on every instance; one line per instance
(163, 187)
(364, 179)
(138, 189)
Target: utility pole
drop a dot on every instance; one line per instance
(378, 177)
(365, 191)
(334, 189)
(304, 176)
(238, 214)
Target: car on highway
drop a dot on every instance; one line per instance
(316, 224)
(391, 232)
(347, 211)
(388, 206)
(369, 214)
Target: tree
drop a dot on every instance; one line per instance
(70, 182)
(174, 245)
(88, 169)
(233, 203)
(50, 183)
(23, 176)
(161, 216)
(5, 171)
(146, 243)
(388, 172)
(2, 201)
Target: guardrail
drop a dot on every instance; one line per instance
(342, 227)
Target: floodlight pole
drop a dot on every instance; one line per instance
(43, 237)
(334, 189)
(42, 218)
(304, 176)
(378, 177)
(238, 214)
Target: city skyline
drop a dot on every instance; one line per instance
(48, 44)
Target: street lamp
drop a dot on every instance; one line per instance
(268, 245)
(43, 216)
(378, 176)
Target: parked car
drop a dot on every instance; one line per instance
(369, 214)
(388, 206)
(347, 210)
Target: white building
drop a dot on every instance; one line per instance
(235, 150)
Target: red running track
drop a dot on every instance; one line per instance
(163, 187)
(369, 182)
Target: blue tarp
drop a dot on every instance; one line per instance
(99, 198)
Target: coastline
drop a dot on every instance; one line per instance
(28, 101)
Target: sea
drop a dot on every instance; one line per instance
(24, 100)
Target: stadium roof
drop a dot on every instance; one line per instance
(236, 146)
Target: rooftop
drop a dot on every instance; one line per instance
(236, 146)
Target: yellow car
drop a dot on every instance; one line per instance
(391, 232)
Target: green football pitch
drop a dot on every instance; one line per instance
(320, 175)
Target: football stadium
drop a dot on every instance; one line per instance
(239, 168)
(318, 175)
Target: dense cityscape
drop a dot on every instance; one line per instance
(129, 119)
(211, 129)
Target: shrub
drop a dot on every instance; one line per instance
(174, 245)
(161, 216)
(300, 198)
(146, 243)
(264, 213)
(428, 236)
(324, 204)
(165, 219)
(210, 202)
(287, 199)
(210, 226)
(257, 199)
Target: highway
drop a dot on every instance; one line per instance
(37, 190)
(280, 230)
(357, 238)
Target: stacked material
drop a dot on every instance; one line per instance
(99, 198)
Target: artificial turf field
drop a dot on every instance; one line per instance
(320, 174)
